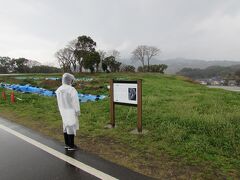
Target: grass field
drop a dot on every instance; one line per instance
(194, 131)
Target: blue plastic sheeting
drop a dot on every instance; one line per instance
(23, 78)
(36, 90)
(77, 79)
(90, 97)
(84, 79)
(28, 89)
(52, 78)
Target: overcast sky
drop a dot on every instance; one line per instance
(198, 29)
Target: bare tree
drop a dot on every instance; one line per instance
(32, 63)
(145, 53)
(115, 53)
(72, 58)
(139, 54)
(151, 52)
(63, 56)
(102, 57)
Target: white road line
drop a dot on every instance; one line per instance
(72, 161)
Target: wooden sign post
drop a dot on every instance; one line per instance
(112, 105)
(139, 104)
(126, 93)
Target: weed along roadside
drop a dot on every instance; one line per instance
(193, 131)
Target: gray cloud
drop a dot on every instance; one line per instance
(187, 28)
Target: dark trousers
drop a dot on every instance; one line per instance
(69, 139)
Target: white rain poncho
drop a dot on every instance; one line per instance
(68, 104)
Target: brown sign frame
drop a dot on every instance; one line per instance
(138, 105)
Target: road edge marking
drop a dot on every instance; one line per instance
(70, 160)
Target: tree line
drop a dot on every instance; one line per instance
(23, 65)
(211, 71)
(81, 54)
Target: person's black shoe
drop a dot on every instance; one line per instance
(66, 147)
(74, 148)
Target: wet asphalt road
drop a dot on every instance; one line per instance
(23, 161)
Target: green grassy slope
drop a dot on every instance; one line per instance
(189, 123)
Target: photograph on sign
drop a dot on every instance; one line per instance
(132, 94)
(125, 93)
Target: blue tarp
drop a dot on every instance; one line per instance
(36, 90)
(23, 78)
(28, 89)
(52, 78)
(87, 79)
(90, 97)
(84, 79)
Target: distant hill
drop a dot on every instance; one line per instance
(175, 65)
(209, 72)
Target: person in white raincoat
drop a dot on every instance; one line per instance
(69, 107)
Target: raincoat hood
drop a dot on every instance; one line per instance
(67, 79)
